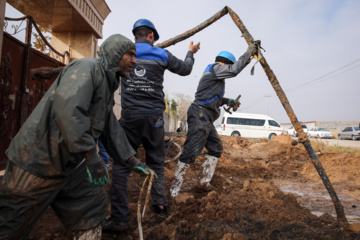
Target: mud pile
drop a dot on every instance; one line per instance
(267, 190)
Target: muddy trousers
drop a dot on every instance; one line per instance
(148, 131)
(25, 197)
(201, 133)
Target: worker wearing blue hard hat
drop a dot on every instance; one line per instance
(225, 57)
(145, 23)
(203, 112)
(143, 104)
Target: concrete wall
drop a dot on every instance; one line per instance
(117, 106)
(170, 123)
(330, 125)
(336, 125)
(80, 44)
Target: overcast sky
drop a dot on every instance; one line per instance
(312, 47)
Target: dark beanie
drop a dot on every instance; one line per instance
(224, 60)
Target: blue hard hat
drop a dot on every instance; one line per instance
(146, 23)
(227, 55)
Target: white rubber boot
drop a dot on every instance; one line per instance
(207, 170)
(179, 177)
(91, 234)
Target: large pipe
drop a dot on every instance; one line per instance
(302, 136)
(194, 30)
(45, 72)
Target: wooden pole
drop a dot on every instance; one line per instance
(302, 136)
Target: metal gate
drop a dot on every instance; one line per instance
(19, 93)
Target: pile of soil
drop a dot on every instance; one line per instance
(267, 190)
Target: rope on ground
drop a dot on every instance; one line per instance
(147, 198)
(177, 156)
(146, 201)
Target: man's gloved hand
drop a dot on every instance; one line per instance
(98, 173)
(139, 167)
(231, 102)
(228, 101)
(252, 49)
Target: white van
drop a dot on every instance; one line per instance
(249, 125)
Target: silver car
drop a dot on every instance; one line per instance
(292, 132)
(319, 132)
(350, 133)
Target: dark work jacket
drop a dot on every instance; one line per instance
(142, 93)
(211, 88)
(74, 112)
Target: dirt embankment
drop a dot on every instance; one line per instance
(267, 190)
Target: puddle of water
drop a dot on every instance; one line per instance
(314, 197)
(303, 191)
(351, 218)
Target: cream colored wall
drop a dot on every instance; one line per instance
(117, 106)
(81, 44)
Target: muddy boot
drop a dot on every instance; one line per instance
(91, 234)
(207, 172)
(179, 176)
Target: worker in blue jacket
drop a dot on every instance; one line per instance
(203, 112)
(143, 104)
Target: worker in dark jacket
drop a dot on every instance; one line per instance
(203, 112)
(53, 160)
(142, 102)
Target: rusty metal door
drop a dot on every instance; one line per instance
(19, 93)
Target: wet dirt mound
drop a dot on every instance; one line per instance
(253, 196)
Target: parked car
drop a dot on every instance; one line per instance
(319, 132)
(350, 133)
(250, 125)
(292, 132)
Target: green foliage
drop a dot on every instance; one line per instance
(173, 108)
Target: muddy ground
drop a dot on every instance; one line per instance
(263, 190)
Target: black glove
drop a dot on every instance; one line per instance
(229, 101)
(139, 167)
(98, 173)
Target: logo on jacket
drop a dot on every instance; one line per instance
(139, 71)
